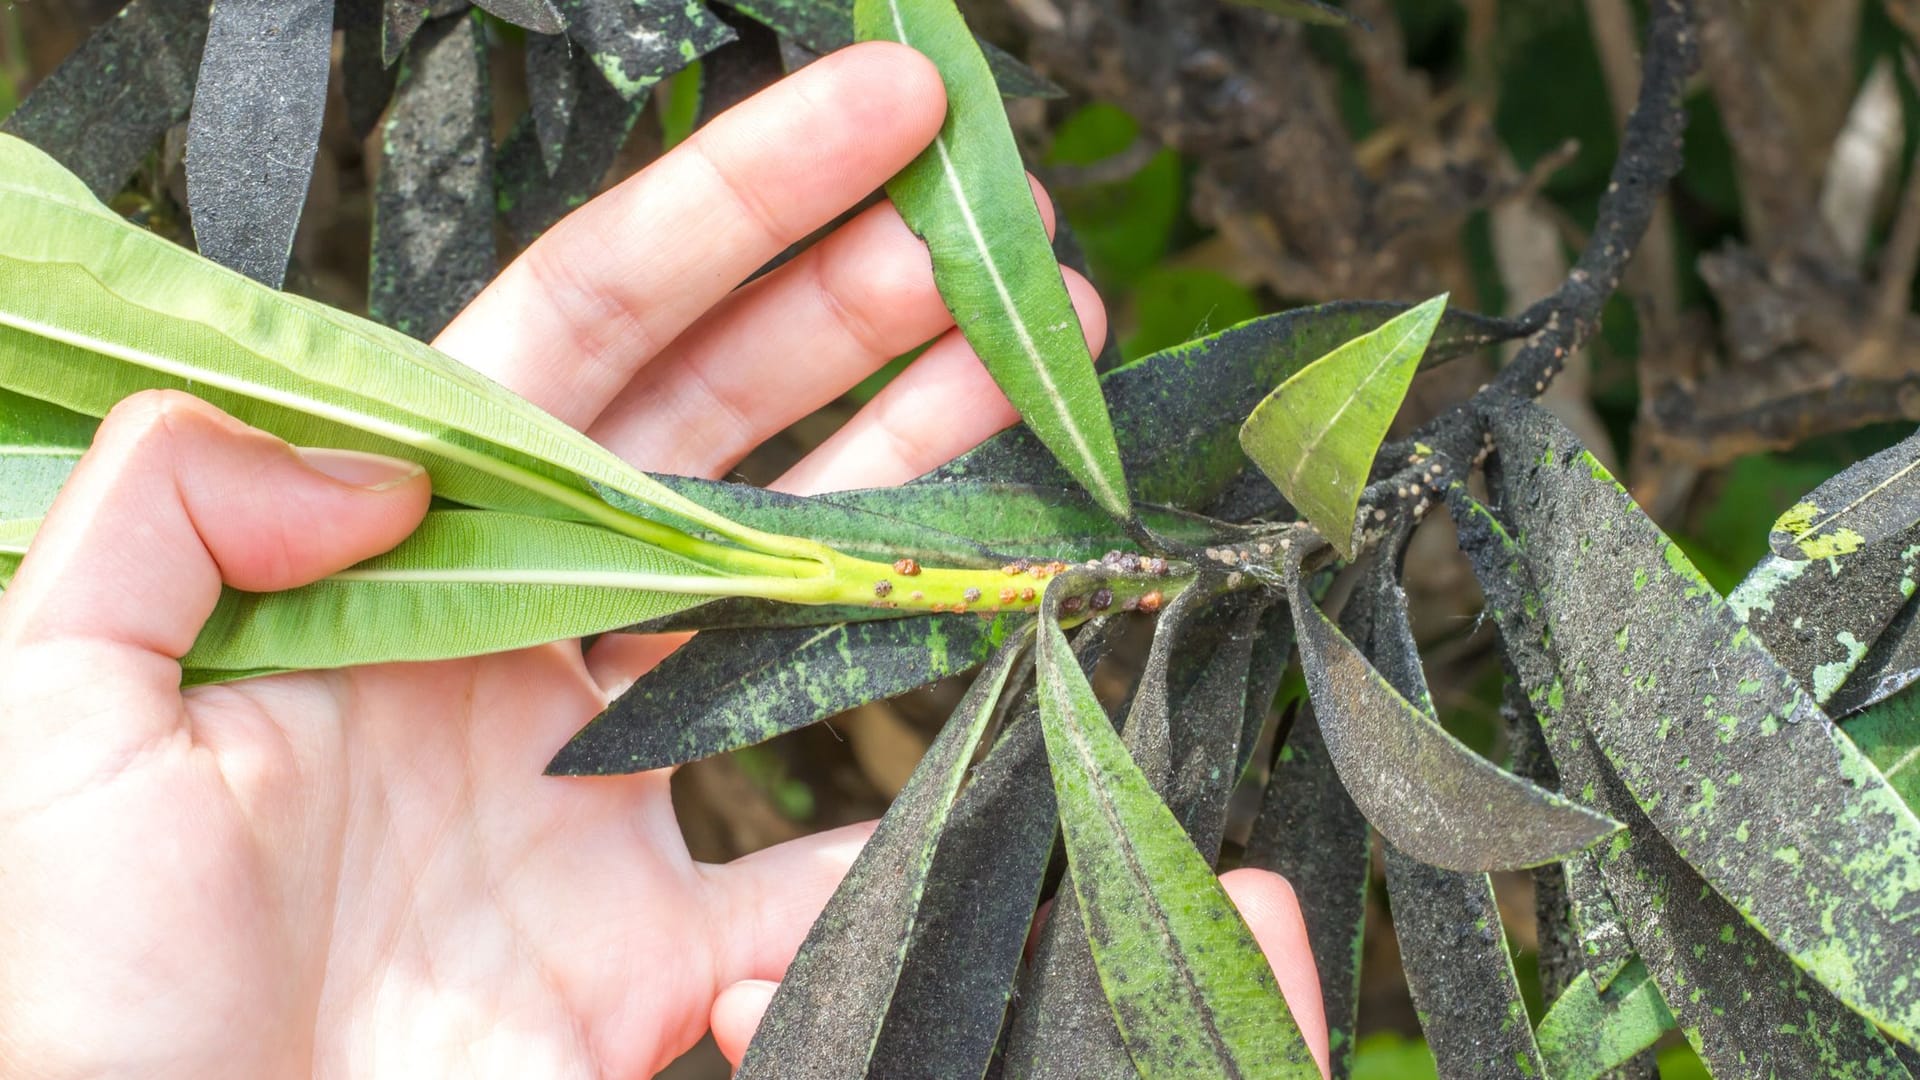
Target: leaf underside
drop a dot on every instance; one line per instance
(1007, 293)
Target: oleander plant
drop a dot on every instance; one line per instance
(1715, 794)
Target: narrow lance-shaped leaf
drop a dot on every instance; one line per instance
(539, 16)
(1427, 792)
(1589, 1032)
(956, 523)
(466, 582)
(1310, 832)
(823, 26)
(94, 309)
(1452, 943)
(1743, 1005)
(636, 43)
(1177, 413)
(107, 104)
(1890, 666)
(1871, 500)
(948, 1009)
(731, 688)
(967, 197)
(1315, 437)
(255, 129)
(1820, 618)
(1462, 981)
(1739, 770)
(433, 247)
(1191, 991)
(553, 92)
(534, 188)
(1065, 1025)
(826, 1017)
(39, 446)
(366, 81)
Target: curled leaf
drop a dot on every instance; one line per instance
(1425, 791)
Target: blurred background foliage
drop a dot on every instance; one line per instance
(1762, 342)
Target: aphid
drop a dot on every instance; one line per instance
(971, 596)
(883, 587)
(906, 567)
(1150, 603)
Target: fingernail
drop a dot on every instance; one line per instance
(371, 472)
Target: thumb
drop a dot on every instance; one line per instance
(173, 499)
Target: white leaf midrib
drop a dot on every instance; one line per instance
(1096, 474)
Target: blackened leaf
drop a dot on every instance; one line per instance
(731, 75)
(1065, 1026)
(636, 43)
(533, 192)
(553, 91)
(254, 130)
(1605, 948)
(1424, 790)
(1819, 617)
(103, 109)
(1590, 1032)
(949, 1006)
(966, 196)
(826, 1016)
(433, 245)
(823, 26)
(1272, 653)
(961, 523)
(1310, 832)
(402, 19)
(1462, 981)
(1872, 500)
(1745, 1007)
(1317, 434)
(731, 688)
(1891, 665)
(539, 16)
(1452, 944)
(753, 613)
(1739, 770)
(1190, 989)
(366, 77)
(1207, 713)
(1177, 413)
(1014, 78)
(1889, 735)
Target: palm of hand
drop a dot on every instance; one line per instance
(365, 871)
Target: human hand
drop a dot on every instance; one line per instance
(365, 871)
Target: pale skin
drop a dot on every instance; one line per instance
(364, 872)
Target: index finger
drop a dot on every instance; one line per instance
(568, 323)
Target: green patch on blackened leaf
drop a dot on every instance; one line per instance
(1848, 910)
(731, 688)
